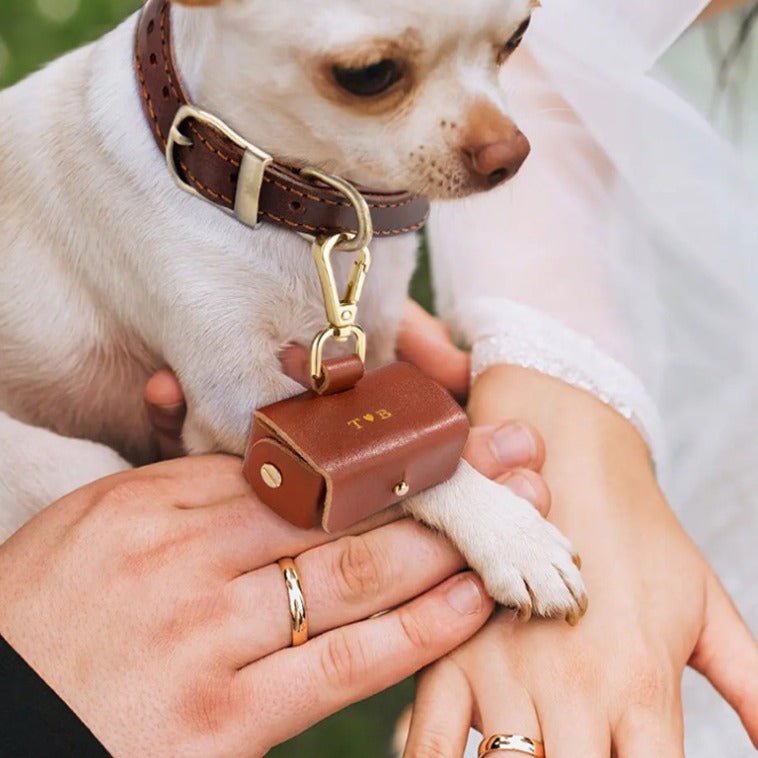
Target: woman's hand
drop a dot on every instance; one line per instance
(151, 602)
(655, 606)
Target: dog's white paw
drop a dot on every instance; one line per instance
(527, 564)
(524, 561)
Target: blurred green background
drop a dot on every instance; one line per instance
(33, 32)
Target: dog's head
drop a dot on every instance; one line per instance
(397, 94)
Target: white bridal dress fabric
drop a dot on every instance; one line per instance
(634, 225)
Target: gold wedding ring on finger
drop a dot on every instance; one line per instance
(296, 598)
(514, 743)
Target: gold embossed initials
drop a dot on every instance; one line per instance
(369, 418)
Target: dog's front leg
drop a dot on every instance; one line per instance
(37, 467)
(224, 388)
(525, 562)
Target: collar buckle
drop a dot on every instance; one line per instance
(251, 171)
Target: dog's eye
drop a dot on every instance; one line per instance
(518, 36)
(369, 81)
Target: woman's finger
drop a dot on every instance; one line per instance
(425, 341)
(353, 662)
(498, 449)
(441, 713)
(727, 655)
(574, 727)
(505, 706)
(644, 732)
(343, 582)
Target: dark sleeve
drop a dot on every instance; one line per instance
(34, 721)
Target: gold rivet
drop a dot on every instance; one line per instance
(402, 489)
(271, 476)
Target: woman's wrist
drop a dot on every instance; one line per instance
(520, 335)
(587, 441)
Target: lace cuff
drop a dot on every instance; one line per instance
(530, 339)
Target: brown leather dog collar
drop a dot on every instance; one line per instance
(210, 160)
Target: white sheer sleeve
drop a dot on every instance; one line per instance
(601, 263)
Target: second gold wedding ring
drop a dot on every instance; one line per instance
(296, 598)
(514, 743)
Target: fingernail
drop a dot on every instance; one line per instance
(519, 484)
(513, 445)
(465, 597)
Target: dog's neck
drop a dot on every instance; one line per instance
(113, 98)
(113, 101)
(196, 52)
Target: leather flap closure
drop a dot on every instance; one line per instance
(395, 434)
(288, 485)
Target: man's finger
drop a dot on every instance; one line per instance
(295, 361)
(727, 655)
(574, 728)
(167, 411)
(344, 581)
(499, 449)
(351, 663)
(425, 341)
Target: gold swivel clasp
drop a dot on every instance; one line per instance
(341, 309)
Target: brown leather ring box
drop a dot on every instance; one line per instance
(334, 460)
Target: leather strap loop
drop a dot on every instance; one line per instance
(211, 162)
(340, 374)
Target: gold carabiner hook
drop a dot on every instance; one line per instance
(365, 233)
(341, 312)
(339, 335)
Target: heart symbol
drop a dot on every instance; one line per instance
(369, 417)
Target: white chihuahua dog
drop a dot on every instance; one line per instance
(108, 271)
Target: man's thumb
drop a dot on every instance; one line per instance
(425, 341)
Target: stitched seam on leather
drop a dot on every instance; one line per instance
(343, 204)
(166, 55)
(148, 101)
(309, 228)
(210, 147)
(293, 224)
(405, 230)
(215, 195)
(174, 87)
